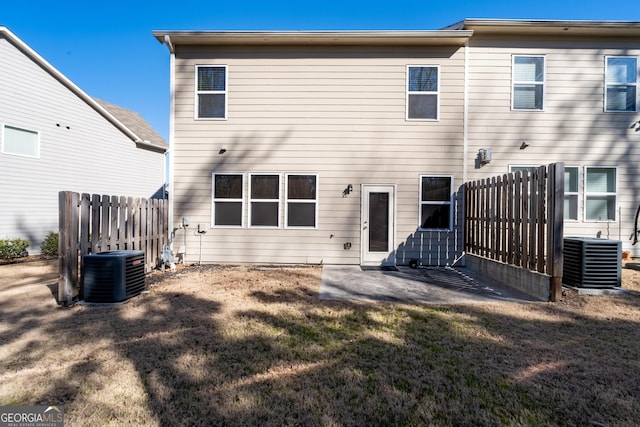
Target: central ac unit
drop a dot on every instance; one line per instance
(592, 263)
(113, 276)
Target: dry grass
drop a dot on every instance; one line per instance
(254, 346)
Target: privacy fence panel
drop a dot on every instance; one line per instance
(517, 219)
(94, 223)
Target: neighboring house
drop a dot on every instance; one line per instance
(54, 137)
(351, 147)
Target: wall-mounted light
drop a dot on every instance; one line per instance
(222, 150)
(347, 190)
(484, 155)
(523, 145)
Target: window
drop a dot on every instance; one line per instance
(21, 142)
(571, 193)
(571, 190)
(621, 83)
(227, 200)
(528, 83)
(435, 202)
(302, 201)
(600, 195)
(264, 206)
(211, 92)
(422, 92)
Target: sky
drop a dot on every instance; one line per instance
(106, 47)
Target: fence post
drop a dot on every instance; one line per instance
(556, 228)
(67, 246)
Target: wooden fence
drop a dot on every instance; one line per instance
(517, 219)
(94, 223)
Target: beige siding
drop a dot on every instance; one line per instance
(572, 128)
(91, 156)
(338, 112)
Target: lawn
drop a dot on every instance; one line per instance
(249, 345)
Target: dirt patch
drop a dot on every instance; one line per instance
(253, 345)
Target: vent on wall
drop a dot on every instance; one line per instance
(113, 276)
(591, 262)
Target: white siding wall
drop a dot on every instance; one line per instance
(91, 156)
(335, 111)
(572, 128)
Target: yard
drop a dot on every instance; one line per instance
(249, 345)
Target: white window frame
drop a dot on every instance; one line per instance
(606, 84)
(214, 200)
(308, 201)
(224, 92)
(276, 200)
(526, 82)
(566, 193)
(20, 128)
(436, 93)
(573, 193)
(587, 194)
(421, 202)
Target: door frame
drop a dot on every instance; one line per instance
(389, 259)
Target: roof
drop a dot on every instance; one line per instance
(431, 37)
(136, 123)
(109, 115)
(548, 27)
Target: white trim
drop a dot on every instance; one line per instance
(391, 257)
(172, 143)
(20, 128)
(635, 84)
(450, 202)
(586, 194)
(214, 200)
(307, 201)
(543, 83)
(572, 193)
(465, 115)
(197, 92)
(276, 200)
(436, 93)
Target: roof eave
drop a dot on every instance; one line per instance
(437, 37)
(552, 27)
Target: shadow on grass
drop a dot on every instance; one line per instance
(202, 355)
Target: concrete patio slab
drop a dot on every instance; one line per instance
(440, 285)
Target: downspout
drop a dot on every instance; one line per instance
(465, 114)
(172, 96)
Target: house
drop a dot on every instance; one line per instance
(351, 147)
(54, 137)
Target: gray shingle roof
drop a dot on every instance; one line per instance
(136, 123)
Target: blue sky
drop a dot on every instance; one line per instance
(107, 49)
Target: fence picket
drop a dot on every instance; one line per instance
(94, 223)
(517, 219)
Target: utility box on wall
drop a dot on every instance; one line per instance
(592, 263)
(113, 276)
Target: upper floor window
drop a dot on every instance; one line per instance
(527, 83)
(600, 194)
(227, 200)
(621, 83)
(22, 142)
(302, 201)
(422, 92)
(211, 92)
(264, 205)
(435, 202)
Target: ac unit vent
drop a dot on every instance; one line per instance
(591, 262)
(113, 276)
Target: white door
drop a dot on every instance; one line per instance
(378, 225)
